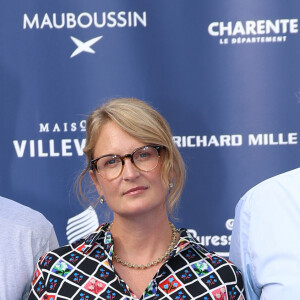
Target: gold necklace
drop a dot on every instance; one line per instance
(153, 263)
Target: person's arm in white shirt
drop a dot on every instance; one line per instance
(265, 242)
(239, 253)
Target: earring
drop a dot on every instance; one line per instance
(102, 200)
(171, 185)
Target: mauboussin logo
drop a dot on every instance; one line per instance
(84, 21)
(253, 31)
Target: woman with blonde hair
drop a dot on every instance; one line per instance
(139, 173)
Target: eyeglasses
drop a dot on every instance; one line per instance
(110, 166)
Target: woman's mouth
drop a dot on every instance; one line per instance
(136, 190)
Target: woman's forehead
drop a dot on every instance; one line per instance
(112, 139)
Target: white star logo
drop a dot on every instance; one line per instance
(84, 46)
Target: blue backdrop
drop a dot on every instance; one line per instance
(224, 74)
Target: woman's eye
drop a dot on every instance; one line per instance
(111, 162)
(144, 155)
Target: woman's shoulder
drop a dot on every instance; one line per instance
(74, 252)
(196, 267)
(205, 260)
(58, 254)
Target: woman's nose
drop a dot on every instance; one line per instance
(130, 171)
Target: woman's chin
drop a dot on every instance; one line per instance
(135, 210)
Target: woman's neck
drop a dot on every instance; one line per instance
(141, 240)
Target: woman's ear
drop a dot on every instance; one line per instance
(96, 182)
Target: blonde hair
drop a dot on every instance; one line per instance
(144, 123)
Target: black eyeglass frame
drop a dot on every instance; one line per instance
(93, 163)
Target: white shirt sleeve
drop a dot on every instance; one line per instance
(25, 235)
(265, 241)
(239, 253)
(50, 244)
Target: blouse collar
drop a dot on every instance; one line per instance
(104, 238)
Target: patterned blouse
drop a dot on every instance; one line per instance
(84, 271)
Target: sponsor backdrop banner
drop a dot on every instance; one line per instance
(224, 74)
